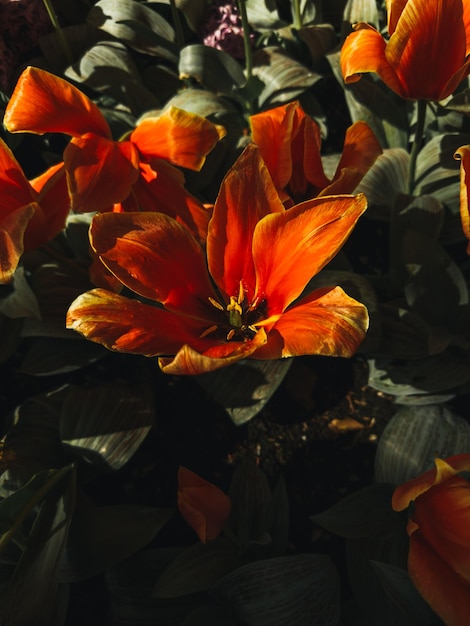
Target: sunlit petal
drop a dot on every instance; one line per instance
(43, 102)
(409, 491)
(364, 51)
(100, 172)
(12, 229)
(157, 258)
(191, 362)
(290, 248)
(439, 585)
(464, 154)
(178, 136)
(247, 194)
(131, 326)
(16, 190)
(307, 165)
(327, 322)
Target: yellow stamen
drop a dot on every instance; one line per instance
(234, 305)
(230, 334)
(216, 304)
(241, 293)
(208, 331)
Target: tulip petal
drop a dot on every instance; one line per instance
(100, 172)
(439, 585)
(178, 136)
(154, 256)
(12, 229)
(364, 51)
(164, 192)
(16, 189)
(464, 154)
(54, 201)
(409, 491)
(327, 322)
(246, 195)
(44, 103)
(290, 248)
(204, 506)
(126, 325)
(189, 361)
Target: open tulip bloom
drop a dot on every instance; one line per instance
(240, 297)
(439, 553)
(426, 55)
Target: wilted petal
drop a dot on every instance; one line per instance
(247, 194)
(100, 172)
(290, 248)
(327, 322)
(364, 51)
(157, 258)
(12, 229)
(204, 506)
(131, 326)
(464, 154)
(180, 137)
(445, 469)
(44, 103)
(189, 361)
(446, 593)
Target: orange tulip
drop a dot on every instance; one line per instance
(238, 298)
(203, 505)
(31, 213)
(439, 529)
(463, 154)
(102, 172)
(425, 57)
(290, 141)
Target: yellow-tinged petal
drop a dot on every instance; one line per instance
(364, 51)
(204, 506)
(464, 154)
(44, 103)
(445, 469)
(126, 325)
(12, 230)
(189, 361)
(446, 593)
(247, 194)
(158, 258)
(327, 322)
(289, 248)
(394, 10)
(183, 138)
(100, 172)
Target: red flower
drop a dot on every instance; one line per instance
(31, 213)
(203, 505)
(426, 55)
(463, 154)
(102, 172)
(290, 141)
(260, 258)
(439, 529)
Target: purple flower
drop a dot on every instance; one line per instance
(223, 28)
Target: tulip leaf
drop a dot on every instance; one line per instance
(102, 536)
(214, 69)
(210, 615)
(79, 37)
(36, 575)
(47, 356)
(105, 424)
(398, 585)
(263, 15)
(357, 11)
(364, 513)
(283, 591)
(197, 568)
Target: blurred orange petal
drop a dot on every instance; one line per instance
(178, 136)
(204, 506)
(327, 322)
(44, 103)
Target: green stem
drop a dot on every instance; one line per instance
(179, 35)
(418, 140)
(297, 14)
(60, 33)
(246, 39)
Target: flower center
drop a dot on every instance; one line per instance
(241, 317)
